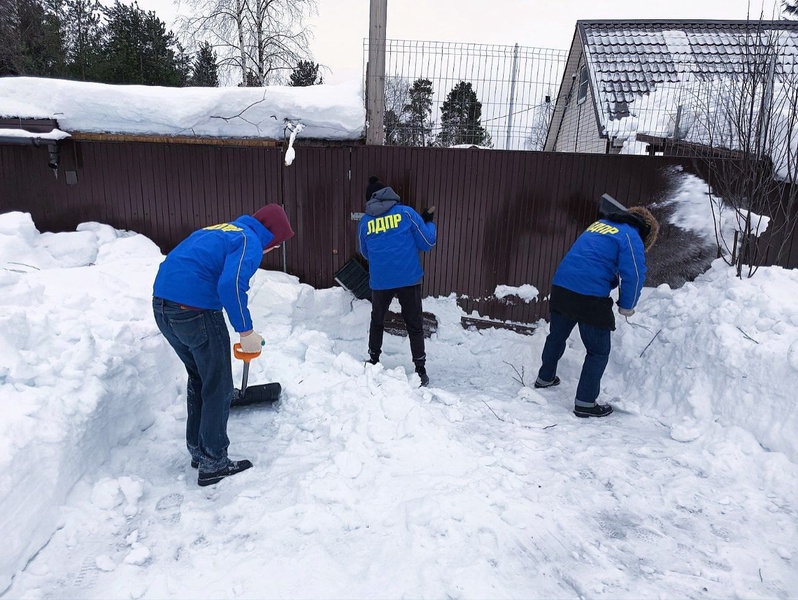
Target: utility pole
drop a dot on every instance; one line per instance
(375, 73)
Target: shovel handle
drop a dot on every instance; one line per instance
(245, 356)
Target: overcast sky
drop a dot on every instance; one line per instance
(341, 25)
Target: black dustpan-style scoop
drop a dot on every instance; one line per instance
(253, 394)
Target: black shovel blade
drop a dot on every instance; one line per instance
(609, 205)
(257, 394)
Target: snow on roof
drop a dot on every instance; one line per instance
(330, 112)
(54, 135)
(687, 80)
(630, 59)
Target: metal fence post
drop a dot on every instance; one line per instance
(513, 78)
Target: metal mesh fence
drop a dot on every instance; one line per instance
(448, 93)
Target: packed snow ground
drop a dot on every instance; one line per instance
(367, 486)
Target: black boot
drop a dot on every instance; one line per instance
(374, 358)
(422, 374)
(597, 410)
(539, 383)
(233, 467)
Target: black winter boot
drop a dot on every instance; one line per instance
(422, 374)
(597, 410)
(233, 467)
(539, 383)
(374, 358)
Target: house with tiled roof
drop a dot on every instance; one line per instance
(639, 86)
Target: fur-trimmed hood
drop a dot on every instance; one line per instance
(641, 219)
(653, 226)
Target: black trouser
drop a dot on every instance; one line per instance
(410, 300)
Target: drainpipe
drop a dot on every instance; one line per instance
(52, 148)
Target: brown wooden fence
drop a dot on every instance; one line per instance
(504, 217)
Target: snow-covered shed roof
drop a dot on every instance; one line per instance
(325, 112)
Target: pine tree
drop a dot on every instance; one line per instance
(461, 118)
(30, 39)
(204, 70)
(82, 30)
(305, 73)
(252, 80)
(10, 39)
(393, 129)
(791, 8)
(417, 114)
(139, 50)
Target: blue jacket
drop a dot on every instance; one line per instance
(390, 236)
(606, 253)
(212, 267)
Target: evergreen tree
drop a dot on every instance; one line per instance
(30, 39)
(138, 50)
(82, 30)
(417, 114)
(252, 80)
(393, 128)
(10, 39)
(461, 118)
(305, 73)
(791, 8)
(204, 70)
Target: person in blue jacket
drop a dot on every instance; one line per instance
(611, 252)
(390, 237)
(207, 272)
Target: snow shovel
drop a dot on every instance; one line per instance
(609, 205)
(254, 394)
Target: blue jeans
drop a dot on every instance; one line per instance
(200, 339)
(597, 344)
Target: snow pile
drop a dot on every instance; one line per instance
(366, 485)
(79, 364)
(527, 292)
(723, 360)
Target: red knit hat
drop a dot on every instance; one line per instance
(273, 218)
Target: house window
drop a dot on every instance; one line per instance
(581, 93)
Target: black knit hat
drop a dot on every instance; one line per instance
(374, 185)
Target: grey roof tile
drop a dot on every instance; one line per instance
(632, 58)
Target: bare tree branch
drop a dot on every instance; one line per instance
(261, 39)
